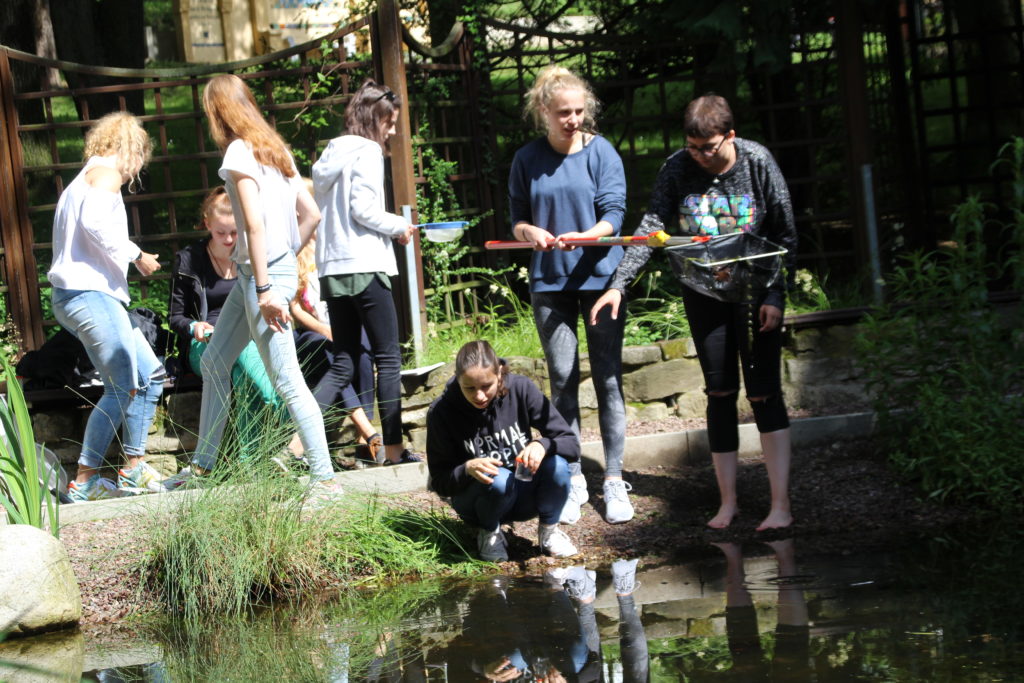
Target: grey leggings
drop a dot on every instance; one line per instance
(556, 315)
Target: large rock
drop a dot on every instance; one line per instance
(60, 655)
(38, 589)
(659, 381)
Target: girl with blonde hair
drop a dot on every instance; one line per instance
(276, 217)
(570, 183)
(91, 253)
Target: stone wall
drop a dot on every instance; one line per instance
(820, 376)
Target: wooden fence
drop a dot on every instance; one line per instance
(920, 97)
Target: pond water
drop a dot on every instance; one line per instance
(938, 610)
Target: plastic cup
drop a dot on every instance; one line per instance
(523, 472)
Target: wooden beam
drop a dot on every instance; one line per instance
(19, 262)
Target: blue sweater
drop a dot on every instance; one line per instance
(569, 193)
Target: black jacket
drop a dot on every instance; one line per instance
(457, 431)
(191, 268)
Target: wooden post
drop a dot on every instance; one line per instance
(850, 49)
(19, 272)
(386, 37)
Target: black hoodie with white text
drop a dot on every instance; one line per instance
(458, 431)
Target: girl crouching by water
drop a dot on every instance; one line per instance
(477, 430)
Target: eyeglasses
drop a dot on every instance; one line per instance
(707, 150)
(388, 95)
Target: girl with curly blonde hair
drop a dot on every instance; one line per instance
(91, 254)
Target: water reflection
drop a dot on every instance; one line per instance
(789, 658)
(746, 613)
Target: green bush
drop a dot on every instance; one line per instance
(944, 368)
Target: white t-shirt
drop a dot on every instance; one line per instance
(91, 249)
(276, 203)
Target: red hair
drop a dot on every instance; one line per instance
(234, 115)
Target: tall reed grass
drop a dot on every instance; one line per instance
(259, 536)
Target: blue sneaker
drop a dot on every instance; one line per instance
(94, 488)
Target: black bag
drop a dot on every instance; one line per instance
(61, 361)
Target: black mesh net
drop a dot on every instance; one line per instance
(732, 268)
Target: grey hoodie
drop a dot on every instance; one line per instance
(356, 229)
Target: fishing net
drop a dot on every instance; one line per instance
(732, 268)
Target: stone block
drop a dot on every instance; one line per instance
(674, 349)
(653, 412)
(692, 403)
(52, 427)
(638, 356)
(422, 398)
(837, 341)
(414, 418)
(38, 589)
(818, 370)
(164, 463)
(659, 381)
(182, 410)
(418, 440)
(587, 395)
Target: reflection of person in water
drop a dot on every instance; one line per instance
(519, 632)
(792, 638)
(581, 586)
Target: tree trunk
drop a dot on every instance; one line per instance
(100, 33)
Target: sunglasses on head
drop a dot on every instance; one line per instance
(388, 95)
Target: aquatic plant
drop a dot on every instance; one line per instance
(259, 537)
(24, 478)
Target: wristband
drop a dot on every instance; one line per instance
(260, 289)
(138, 258)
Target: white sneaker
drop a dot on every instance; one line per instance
(581, 584)
(617, 508)
(624, 576)
(578, 495)
(492, 545)
(183, 479)
(554, 541)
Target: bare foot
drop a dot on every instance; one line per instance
(776, 519)
(724, 517)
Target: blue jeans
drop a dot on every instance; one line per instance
(126, 364)
(239, 323)
(556, 315)
(507, 499)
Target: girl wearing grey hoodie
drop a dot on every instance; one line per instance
(354, 253)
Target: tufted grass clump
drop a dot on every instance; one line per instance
(258, 537)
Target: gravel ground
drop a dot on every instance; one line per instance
(844, 499)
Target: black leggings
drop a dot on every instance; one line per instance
(721, 332)
(374, 307)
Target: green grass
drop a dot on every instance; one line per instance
(257, 537)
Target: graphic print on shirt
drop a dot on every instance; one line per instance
(504, 444)
(716, 214)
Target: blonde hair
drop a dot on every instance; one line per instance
(233, 114)
(120, 134)
(553, 79)
(305, 262)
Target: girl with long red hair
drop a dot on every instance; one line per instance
(275, 216)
